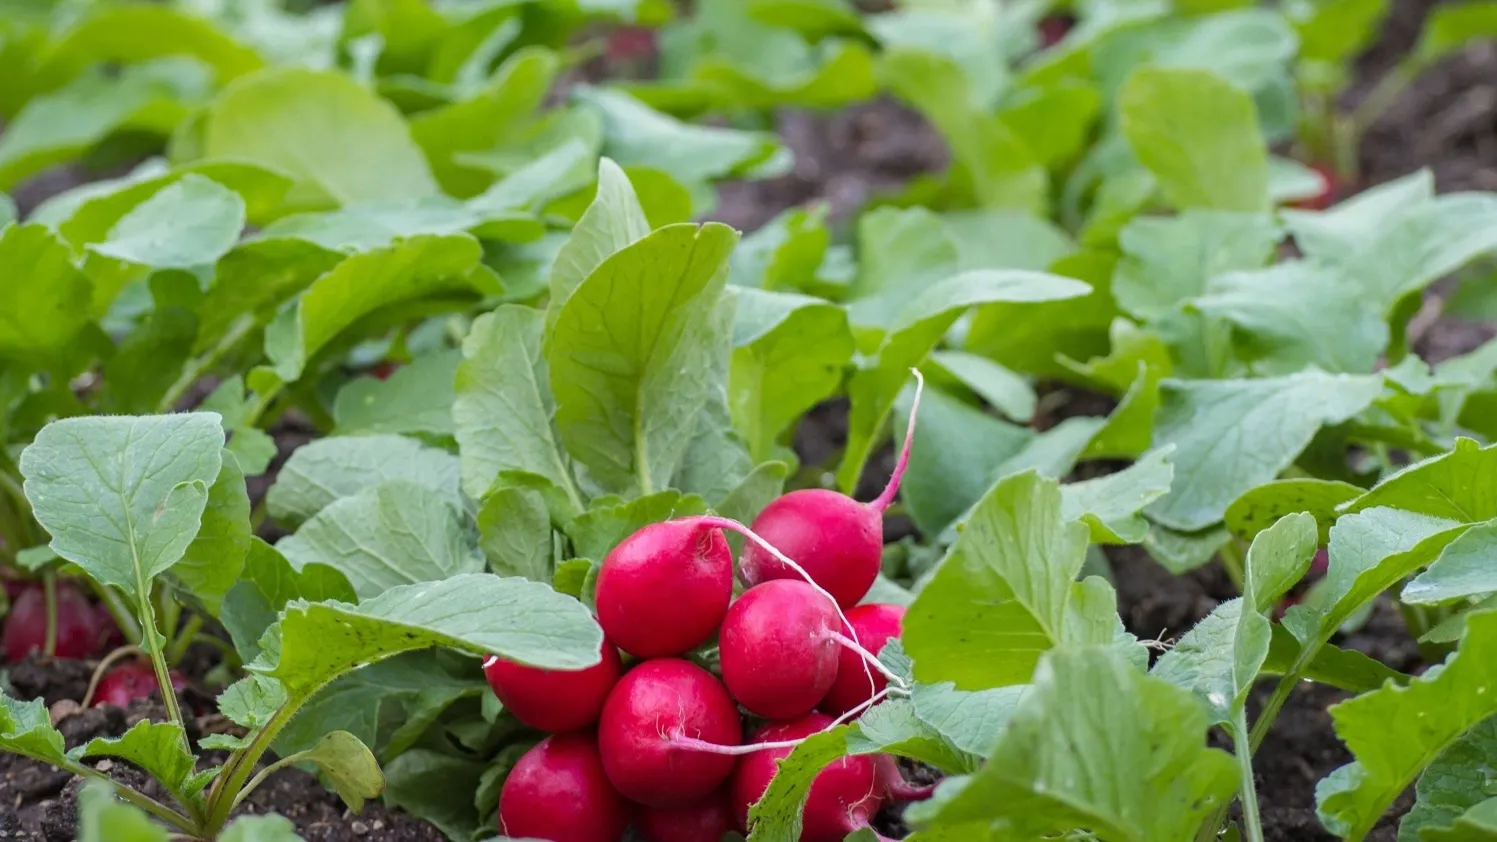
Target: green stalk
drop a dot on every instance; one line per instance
(153, 640)
(198, 366)
(49, 592)
(1232, 562)
(144, 802)
(118, 610)
(1249, 794)
(185, 636)
(239, 768)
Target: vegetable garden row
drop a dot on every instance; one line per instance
(371, 379)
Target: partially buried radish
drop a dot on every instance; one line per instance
(130, 681)
(845, 796)
(558, 792)
(779, 648)
(664, 590)
(874, 625)
(80, 629)
(666, 733)
(700, 821)
(555, 700)
(837, 540)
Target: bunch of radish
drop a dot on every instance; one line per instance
(661, 745)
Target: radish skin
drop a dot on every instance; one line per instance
(555, 700)
(702, 821)
(779, 649)
(873, 625)
(664, 590)
(558, 792)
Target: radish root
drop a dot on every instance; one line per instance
(884, 499)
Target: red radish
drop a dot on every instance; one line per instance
(631, 42)
(894, 784)
(837, 540)
(558, 792)
(873, 625)
(383, 370)
(702, 821)
(1320, 563)
(130, 681)
(555, 700)
(779, 648)
(664, 590)
(1054, 28)
(845, 796)
(659, 729)
(79, 632)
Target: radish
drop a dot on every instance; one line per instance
(701, 821)
(667, 733)
(873, 626)
(79, 630)
(558, 792)
(779, 648)
(895, 786)
(555, 700)
(664, 590)
(845, 796)
(130, 681)
(837, 540)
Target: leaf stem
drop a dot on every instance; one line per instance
(152, 638)
(1232, 562)
(258, 779)
(141, 800)
(1249, 794)
(891, 490)
(184, 639)
(49, 593)
(199, 365)
(239, 767)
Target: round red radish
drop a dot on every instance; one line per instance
(664, 590)
(130, 681)
(656, 732)
(558, 792)
(844, 797)
(701, 821)
(875, 624)
(79, 632)
(779, 654)
(555, 700)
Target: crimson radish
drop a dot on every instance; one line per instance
(837, 540)
(664, 590)
(701, 821)
(666, 733)
(559, 792)
(894, 784)
(130, 681)
(844, 797)
(779, 648)
(79, 630)
(873, 625)
(555, 700)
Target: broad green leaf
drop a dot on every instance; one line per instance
(757, 490)
(104, 818)
(253, 280)
(1002, 595)
(123, 496)
(598, 529)
(613, 220)
(348, 765)
(1395, 732)
(902, 252)
(1462, 570)
(1454, 485)
(26, 729)
(132, 33)
(340, 142)
(1450, 28)
(373, 225)
(1002, 389)
(1279, 557)
(450, 808)
(191, 222)
(332, 468)
(971, 720)
(777, 814)
(268, 583)
(1234, 435)
(551, 176)
(1199, 135)
(1110, 505)
(1334, 32)
(266, 828)
(215, 558)
(420, 267)
(40, 312)
(514, 530)
(478, 613)
(1169, 260)
(1257, 509)
(1452, 785)
(915, 334)
(789, 353)
(1096, 744)
(395, 533)
(87, 213)
(503, 409)
(1344, 669)
(629, 383)
(891, 727)
(1006, 239)
(1478, 824)
(417, 399)
(784, 253)
(157, 747)
(251, 701)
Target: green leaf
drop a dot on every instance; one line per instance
(40, 312)
(251, 281)
(972, 721)
(450, 808)
(1168, 260)
(1450, 28)
(613, 220)
(420, 267)
(26, 729)
(191, 222)
(268, 583)
(514, 528)
(373, 225)
(157, 747)
(757, 490)
(598, 529)
(1185, 126)
(1478, 824)
(395, 533)
(348, 765)
(1003, 594)
(1395, 732)
(267, 828)
(1233, 435)
(777, 814)
(892, 727)
(1002, 389)
(788, 355)
(417, 399)
(130, 34)
(1111, 505)
(1096, 744)
(1257, 509)
(123, 496)
(1452, 785)
(503, 408)
(629, 383)
(337, 140)
(1344, 669)
(783, 253)
(901, 253)
(914, 335)
(1279, 557)
(329, 469)
(103, 818)
(1454, 485)
(1461, 571)
(215, 558)
(252, 701)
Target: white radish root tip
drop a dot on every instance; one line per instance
(886, 498)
